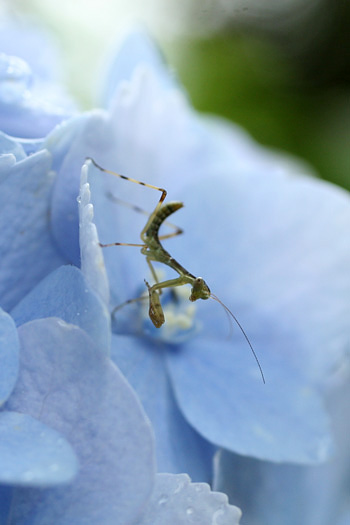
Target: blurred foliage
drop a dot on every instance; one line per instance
(294, 98)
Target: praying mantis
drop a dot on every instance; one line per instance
(153, 250)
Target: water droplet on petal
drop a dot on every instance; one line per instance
(179, 487)
(217, 516)
(162, 500)
(15, 78)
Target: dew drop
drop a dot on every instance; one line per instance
(179, 487)
(15, 78)
(162, 500)
(217, 516)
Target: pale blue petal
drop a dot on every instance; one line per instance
(15, 79)
(317, 495)
(33, 44)
(179, 447)
(135, 48)
(92, 263)
(71, 386)
(21, 113)
(268, 494)
(33, 454)
(64, 208)
(61, 143)
(177, 501)
(30, 121)
(69, 145)
(26, 248)
(345, 519)
(159, 123)
(238, 153)
(42, 95)
(9, 355)
(286, 254)
(19, 147)
(220, 391)
(66, 294)
(8, 145)
(271, 494)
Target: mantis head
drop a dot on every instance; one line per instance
(200, 289)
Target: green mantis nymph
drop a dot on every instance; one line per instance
(153, 250)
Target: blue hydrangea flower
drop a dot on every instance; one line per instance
(76, 445)
(267, 238)
(73, 426)
(257, 230)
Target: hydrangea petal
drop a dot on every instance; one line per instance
(23, 115)
(92, 263)
(70, 143)
(73, 387)
(18, 147)
(217, 388)
(9, 355)
(179, 447)
(285, 494)
(133, 50)
(33, 454)
(177, 501)
(289, 494)
(15, 77)
(10, 146)
(26, 247)
(144, 104)
(40, 95)
(293, 262)
(65, 294)
(345, 519)
(33, 44)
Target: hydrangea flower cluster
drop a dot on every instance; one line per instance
(102, 413)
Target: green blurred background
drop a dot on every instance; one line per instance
(280, 69)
